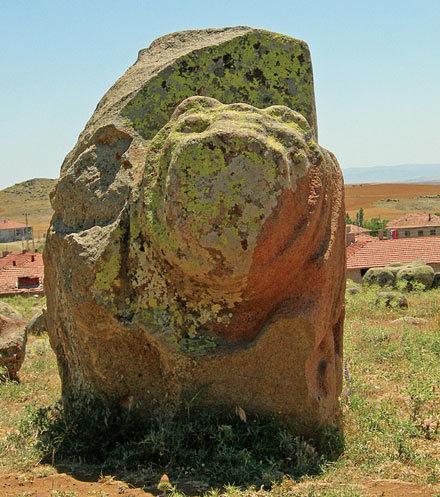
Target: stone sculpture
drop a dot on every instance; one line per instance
(196, 254)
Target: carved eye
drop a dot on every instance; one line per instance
(287, 115)
(193, 124)
(287, 139)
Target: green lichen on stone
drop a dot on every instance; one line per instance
(108, 273)
(106, 277)
(258, 68)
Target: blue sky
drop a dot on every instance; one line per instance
(376, 66)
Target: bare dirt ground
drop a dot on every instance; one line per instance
(29, 485)
(373, 198)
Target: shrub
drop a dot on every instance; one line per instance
(216, 446)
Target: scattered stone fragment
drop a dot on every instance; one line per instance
(409, 320)
(37, 325)
(391, 299)
(12, 346)
(8, 311)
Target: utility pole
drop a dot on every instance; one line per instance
(26, 214)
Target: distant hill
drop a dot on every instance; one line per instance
(405, 173)
(31, 196)
(385, 200)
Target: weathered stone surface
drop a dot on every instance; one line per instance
(409, 320)
(13, 339)
(382, 276)
(196, 253)
(416, 274)
(391, 299)
(37, 324)
(404, 276)
(353, 290)
(8, 311)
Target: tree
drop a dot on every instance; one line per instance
(360, 218)
(375, 224)
(348, 219)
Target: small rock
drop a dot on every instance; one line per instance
(37, 325)
(164, 484)
(13, 339)
(391, 299)
(8, 311)
(353, 290)
(410, 320)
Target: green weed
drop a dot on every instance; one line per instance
(27, 306)
(212, 445)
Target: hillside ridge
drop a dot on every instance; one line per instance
(32, 197)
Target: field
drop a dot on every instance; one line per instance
(390, 201)
(390, 404)
(387, 201)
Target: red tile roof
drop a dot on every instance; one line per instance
(360, 241)
(365, 237)
(7, 224)
(382, 252)
(353, 228)
(21, 259)
(415, 221)
(25, 268)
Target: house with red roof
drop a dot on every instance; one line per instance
(21, 273)
(13, 231)
(413, 225)
(379, 253)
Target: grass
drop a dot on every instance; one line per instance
(391, 421)
(392, 413)
(231, 491)
(424, 203)
(27, 306)
(214, 447)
